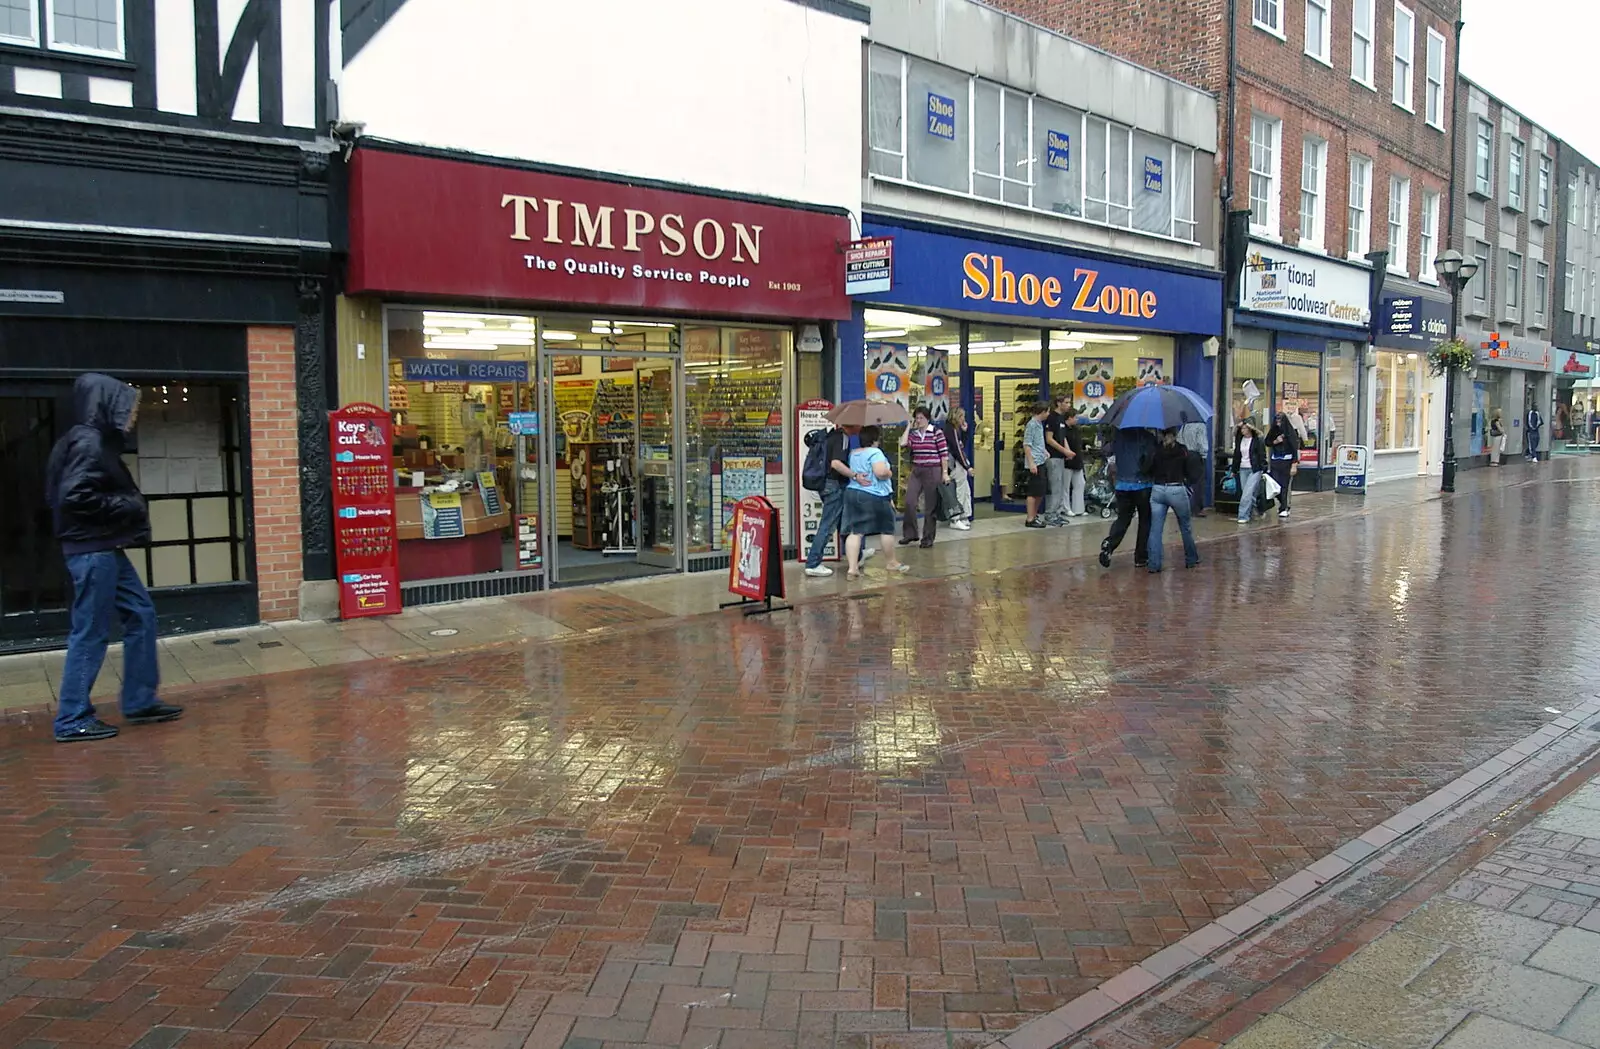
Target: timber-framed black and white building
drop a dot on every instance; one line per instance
(168, 186)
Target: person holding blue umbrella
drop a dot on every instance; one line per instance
(1138, 416)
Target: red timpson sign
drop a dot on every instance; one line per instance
(427, 226)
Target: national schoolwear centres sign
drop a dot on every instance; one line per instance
(1303, 286)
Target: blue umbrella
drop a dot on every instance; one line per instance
(1157, 408)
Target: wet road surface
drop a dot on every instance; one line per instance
(950, 805)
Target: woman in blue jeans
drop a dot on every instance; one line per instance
(1175, 468)
(1249, 465)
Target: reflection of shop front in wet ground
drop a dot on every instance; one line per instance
(603, 429)
(1299, 337)
(987, 325)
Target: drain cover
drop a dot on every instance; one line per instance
(226, 641)
(444, 631)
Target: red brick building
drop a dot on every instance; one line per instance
(1336, 123)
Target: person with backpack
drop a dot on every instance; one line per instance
(1283, 452)
(1535, 423)
(99, 513)
(827, 472)
(1134, 453)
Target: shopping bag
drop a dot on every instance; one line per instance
(949, 504)
(1230, 483)
(1271, 487)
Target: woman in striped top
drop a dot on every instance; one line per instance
(930, 467)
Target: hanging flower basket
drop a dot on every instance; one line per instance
(1451, 354)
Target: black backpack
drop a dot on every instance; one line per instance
(814, 474)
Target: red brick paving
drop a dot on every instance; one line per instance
(946, 807)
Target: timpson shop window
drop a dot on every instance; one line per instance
(567, 442)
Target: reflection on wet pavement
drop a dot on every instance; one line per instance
(952, 805)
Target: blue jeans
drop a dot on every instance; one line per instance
(103, 582)
(1176, 498)
(1249, 481)
(832, 514)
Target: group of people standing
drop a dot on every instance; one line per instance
(1053, 450)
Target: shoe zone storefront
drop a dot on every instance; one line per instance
(584, 373)
(1299, 336)
(987, 323)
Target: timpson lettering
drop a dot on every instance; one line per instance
(987, 278)
(576, 224)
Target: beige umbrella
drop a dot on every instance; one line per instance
(869, 413)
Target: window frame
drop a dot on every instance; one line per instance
(1484, 254)
(1544, 190)
(1541, 292)
(1325, 54)
(1364, 226)
(1511, 300)
(1434, 102)
(1319, 146)
(26, 41)
(1409, 80)
(1429, 233)
(1516, 172)
(1008, 96)
(1272, 228)
(1255, 19)
(1483, 160)
(1400, 187)
(121, 51)
(1369, 37)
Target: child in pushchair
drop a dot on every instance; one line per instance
(1098, 495)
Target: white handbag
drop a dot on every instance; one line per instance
(1271, 486)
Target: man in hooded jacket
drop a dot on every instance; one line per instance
(99, 512)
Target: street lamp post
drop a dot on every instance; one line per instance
(1455, 273)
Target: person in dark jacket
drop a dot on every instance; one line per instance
(100, 512)
(841, 442)
(1283, 451)
(1175, 470)
(1134, 451)
(1249, 464)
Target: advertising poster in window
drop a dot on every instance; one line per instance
(1092, 386)
(889, 373)
(1152, 371)
(936, 384)
(742, 477)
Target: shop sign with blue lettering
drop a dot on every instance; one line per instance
(947, 271)
(1058, 150)
(1154, 171)
(941, 116)
(424, 369)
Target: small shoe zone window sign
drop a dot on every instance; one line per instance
(941, 116)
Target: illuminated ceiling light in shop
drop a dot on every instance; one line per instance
(887, 333)
(458, 343)
(560, 336)
(1094, 336)
(522, 326)
(451, 320)
(892, 318)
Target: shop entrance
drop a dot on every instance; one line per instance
(1007, 395)
(614, 509)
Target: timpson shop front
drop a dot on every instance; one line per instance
(584, 374)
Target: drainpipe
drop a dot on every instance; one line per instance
(1230, 264)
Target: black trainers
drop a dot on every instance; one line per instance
(1035, 523)
(86, 731)
(154, 713)
(1105, 556)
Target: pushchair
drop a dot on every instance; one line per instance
(1098, 495)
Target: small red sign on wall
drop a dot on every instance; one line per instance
(365, 533)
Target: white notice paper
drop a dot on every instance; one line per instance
(182, 474)
(208, 477)
(153, 476)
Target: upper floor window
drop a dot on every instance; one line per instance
(1358, 238)
(1541, 292)
(1542, 197)
(89, 27)
(1435, 99)
(1319, 26)
(1362, 31)
(1313, 186)
(19, 21)
(1480, 282)
(1264, 167)
(1268, 14)
(1513, 294)
(1514, 162)
(1399, 224)
(1483, 160)
(934, 126)
(1405, 43)
(1428, 238)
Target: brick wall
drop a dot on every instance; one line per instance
(275, 465)
(1185, 39)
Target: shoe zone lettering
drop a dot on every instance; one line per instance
(988, 278)
(1154, 170)
(941, 116)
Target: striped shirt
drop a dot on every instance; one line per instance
(928, 447)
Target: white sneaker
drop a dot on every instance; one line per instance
(1240, 520)
(961, 526)
(1283, 513)
(819, 572)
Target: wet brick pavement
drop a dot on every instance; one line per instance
(941, 807)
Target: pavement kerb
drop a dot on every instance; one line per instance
(1121, 992)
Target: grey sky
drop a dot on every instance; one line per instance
(1537, 56)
